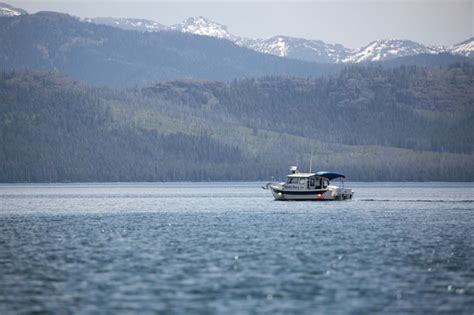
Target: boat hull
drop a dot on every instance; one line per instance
(314, 195)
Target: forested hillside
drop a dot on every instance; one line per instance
(55, 130)
(402, 123)
(427, 60)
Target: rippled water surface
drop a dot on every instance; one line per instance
(229, 248)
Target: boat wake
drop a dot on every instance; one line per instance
(418, 200)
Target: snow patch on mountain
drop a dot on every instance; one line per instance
(277, 46)
(129, 24)
(465, 48)
(202, 26)
(8, 10)
(386, 49)
(298, 48)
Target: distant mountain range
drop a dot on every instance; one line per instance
(104, 55)
(300, 48)
(284, 46)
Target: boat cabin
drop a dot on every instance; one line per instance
(319, 180)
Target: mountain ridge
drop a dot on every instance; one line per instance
(105, 55)
(282, 45)
(143, 25)
(317, 50)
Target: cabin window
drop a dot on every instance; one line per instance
(292, 180)
(303, 182)
(312, 182)
(319, 183)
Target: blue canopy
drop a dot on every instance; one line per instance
(330, 175)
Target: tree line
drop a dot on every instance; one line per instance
(372, 123)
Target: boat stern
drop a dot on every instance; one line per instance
(340, 193)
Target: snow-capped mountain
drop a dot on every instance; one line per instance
(386, 49)
(282, 46)
(8, 10)
(298, 48)
(202, 26)
(465, 48)
(319, 51)
(129, 24)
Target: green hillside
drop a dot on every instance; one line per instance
(405, 123)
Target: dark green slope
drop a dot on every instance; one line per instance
(406, 123)
(104, 55)
(55, 130)
(407, 107)
(428, 60)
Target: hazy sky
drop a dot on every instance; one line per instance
(351, 23)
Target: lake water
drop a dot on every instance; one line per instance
(192, 248)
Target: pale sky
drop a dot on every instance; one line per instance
(353, 23)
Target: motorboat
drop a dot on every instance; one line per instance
(310, 186)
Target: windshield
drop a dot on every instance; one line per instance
(292, 180)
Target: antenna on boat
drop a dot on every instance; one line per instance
(311, 162)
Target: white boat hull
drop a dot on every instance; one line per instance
(330, 193)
